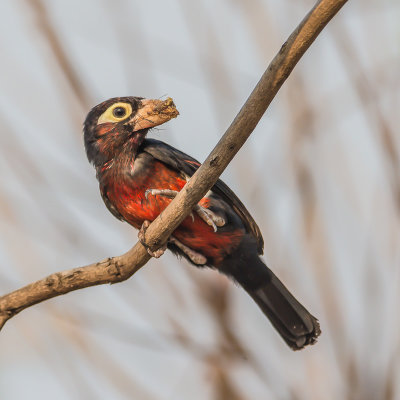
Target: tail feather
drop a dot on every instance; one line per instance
(292, 321)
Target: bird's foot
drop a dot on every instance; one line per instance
(195, 257)
(171, 194)
(208, 216)
(141, 236)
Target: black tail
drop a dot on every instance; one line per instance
(293, 322)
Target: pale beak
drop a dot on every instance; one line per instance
(153, 113)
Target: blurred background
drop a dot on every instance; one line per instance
(320, 174)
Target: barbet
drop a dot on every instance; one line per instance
(138, 177)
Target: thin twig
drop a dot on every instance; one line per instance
(120, 268)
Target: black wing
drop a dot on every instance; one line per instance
(188, 165)
(109, 205)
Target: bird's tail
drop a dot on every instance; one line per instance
(293, 322)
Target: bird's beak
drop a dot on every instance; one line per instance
(153, 113)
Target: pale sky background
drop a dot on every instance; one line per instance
(320, 174)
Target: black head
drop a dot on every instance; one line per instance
(121, 121)
(110, 125)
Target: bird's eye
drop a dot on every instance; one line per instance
(119, 112)
(115, 113)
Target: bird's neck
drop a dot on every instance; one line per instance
(122, 158)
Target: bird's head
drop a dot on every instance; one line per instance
(116, 122)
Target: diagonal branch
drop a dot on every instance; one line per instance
(117, 269)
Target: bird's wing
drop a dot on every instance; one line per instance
(188, 165)
(110, 205)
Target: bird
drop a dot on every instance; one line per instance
(138, 177)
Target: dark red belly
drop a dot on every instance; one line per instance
(128, 196)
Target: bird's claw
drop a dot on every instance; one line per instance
(208, 216)
(161, 192)
(194, 256)
(141, 236)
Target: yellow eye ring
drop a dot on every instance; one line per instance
(115, 113)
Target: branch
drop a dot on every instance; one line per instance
(117, 269)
